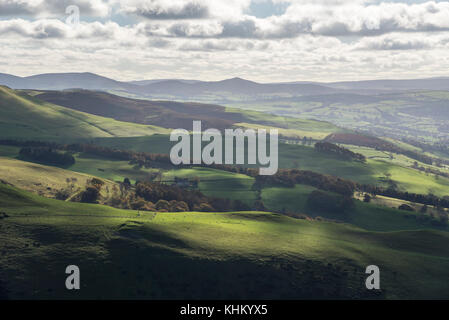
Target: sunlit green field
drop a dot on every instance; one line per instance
(218, 183)
(123, 255)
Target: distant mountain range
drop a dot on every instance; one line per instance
(221, 92)
(182, 88)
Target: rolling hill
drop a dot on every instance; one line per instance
(128, 256)
(60, 81)
(23, 116)
(171, 114)
(180, 88)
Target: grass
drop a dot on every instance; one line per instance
(218, 183)
(371, 172)
(46, 180)
(373, 217)
(190, 255)
(22, 116)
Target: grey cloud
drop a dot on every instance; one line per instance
(241, 29)
(191, 10)
(15, 8)
(159, 43)
(395, 44)
(223, 45)
(38, 30)
(51, 7)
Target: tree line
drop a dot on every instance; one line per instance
(428, 199)
(291, 177)
(334, 149)
(46, 155)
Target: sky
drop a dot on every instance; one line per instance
(259, 40)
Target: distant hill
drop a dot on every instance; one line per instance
(147, 82)
(394, 85)
(179, 88)
(170, 114)
(235, 86)
(162, 113)
(200, 90)
(60, 81)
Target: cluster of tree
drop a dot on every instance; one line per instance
(290, 177)
(141, 159)
(331, 148)
(324, 201)
(305, 141)
(428, 199)
(191, 200)
(252, 172)
(46, 155)
(92, 192)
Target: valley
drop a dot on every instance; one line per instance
(121, 208)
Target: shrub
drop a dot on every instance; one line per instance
(62, 194)
(204, 207)
(367, 198)
(90, 195)
(163, 205)
(178, 206)
(137, 204)
(259, 206)
(406, 207)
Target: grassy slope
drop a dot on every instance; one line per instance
(367, 216)
(289, 127)
(122, 255)
(44, 180)
(22, 116)
(218, 183)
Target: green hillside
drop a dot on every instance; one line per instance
(47, 180)
(22, 116)
(123, 255)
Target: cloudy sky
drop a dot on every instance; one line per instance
(261, 40)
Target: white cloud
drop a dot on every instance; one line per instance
(312, 40)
